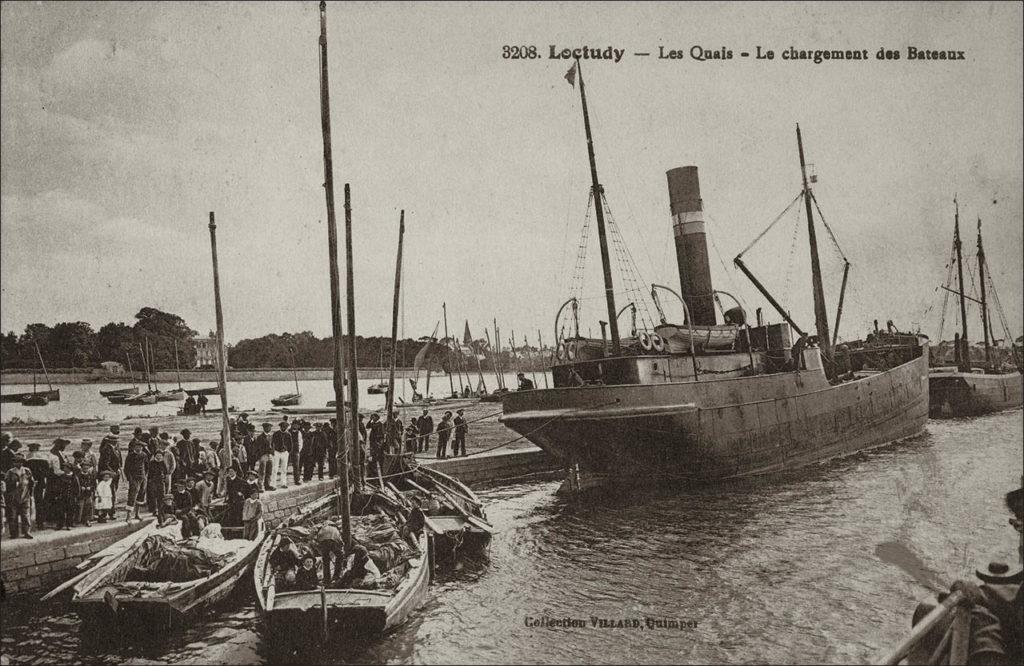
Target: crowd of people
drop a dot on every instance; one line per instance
(181, 475)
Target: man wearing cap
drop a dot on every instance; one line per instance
(89, 459)
(40, 463)
(263, 452)
(186, 456)
(136, 469)
(425, 425)
(461, 428)
(110, 457)
(281, 442)
(7, 452)
(18, 484)
(295, 451)
(328, 538)
(524, 383)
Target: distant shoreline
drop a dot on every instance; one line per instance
(21, 377)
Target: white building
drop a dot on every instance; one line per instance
(206, 352)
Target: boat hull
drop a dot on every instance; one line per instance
(52, 395)
(954, 394)
(123, 393)
(287, 400)
(698, 431)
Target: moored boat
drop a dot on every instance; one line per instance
(455, 515)
(403, 587)
(147, 398)
(121, 393)
(174, 395)
(699, 414)
(51, 395)
(377, 389)
(206, 390)
(965, 389)
(287, 400)
(36, 400)
(155, 573)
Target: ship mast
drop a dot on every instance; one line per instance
(332, 248)
(984, 303)
(963, 353)
(599, 210)
(820, 314)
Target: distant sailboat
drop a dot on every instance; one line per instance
(35, 398)
(290, 399)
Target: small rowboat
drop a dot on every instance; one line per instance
(104, 593)
(174, 395)
(287, 400)
(208, 390)
(37, 400)
(678, 339)
(340, 611)
(377, 389)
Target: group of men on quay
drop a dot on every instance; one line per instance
(180, 475)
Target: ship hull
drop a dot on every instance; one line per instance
(955, 394)
(697, 431)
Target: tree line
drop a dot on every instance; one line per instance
(76, 345)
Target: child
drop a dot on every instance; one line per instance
(105, 497)
(166, 516)
(203, 491)
(252, 512)
(305, 578)
(252, 482)
(184, 510)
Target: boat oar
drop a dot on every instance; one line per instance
(922, 628)
(471, 519)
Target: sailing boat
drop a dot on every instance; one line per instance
(649, 413)
(150, 396)
(120, 395)
(290, 399)
(964, 389)
(381, 387)
(35, 398)
(163, 396)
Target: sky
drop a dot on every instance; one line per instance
(124, 124)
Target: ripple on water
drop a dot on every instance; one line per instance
(790, 569)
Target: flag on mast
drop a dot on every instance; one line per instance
(570, 76)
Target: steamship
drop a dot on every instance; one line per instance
(701, 401)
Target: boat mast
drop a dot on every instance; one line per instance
(42, 364)
(177, 370)
(332, 248)
(295, 371)
(145, 367)
(222, 361)
(984, 303)
(131, 373)
(390, 400)
(820, 313)
(540, 347)
(609, 291)
(963, 353)
(448, 349)
(353, 372)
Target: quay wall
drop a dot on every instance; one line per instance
(33, 567)
(169, 376)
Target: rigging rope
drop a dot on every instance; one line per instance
(769, 227)
(828, 228)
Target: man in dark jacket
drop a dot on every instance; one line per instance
(295, 450)
(313, 453)
(40, 464)
(18, 484)
(136, 468)
(110, 457)
(461, 428)
(263, 451)
(425, 425)
(281, 443)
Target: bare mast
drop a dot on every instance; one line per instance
(222, 362)
(820, 313)
(390, 400)
(606, 266)
(332, 243)
(963, 353)
(984, 302)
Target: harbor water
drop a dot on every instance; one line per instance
(821, 565)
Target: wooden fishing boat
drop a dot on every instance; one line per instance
(174, 395)
(51, 395)
(455, 515)
(112, 590)
(121, 393)
(336, 611)
(287, 400)
(147, 398)
(36, 400)
(206, 390)
(377, 389)
(494, 396)
(972, 387)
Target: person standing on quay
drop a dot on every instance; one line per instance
(136, 469)
(110, 457)
(295, 453)
(281, 442)
(40, 463)
(18, 484)
(156, 479)
(263, 452)
(461, 428)
(6, 452)
(425, 425)
(444, 431)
